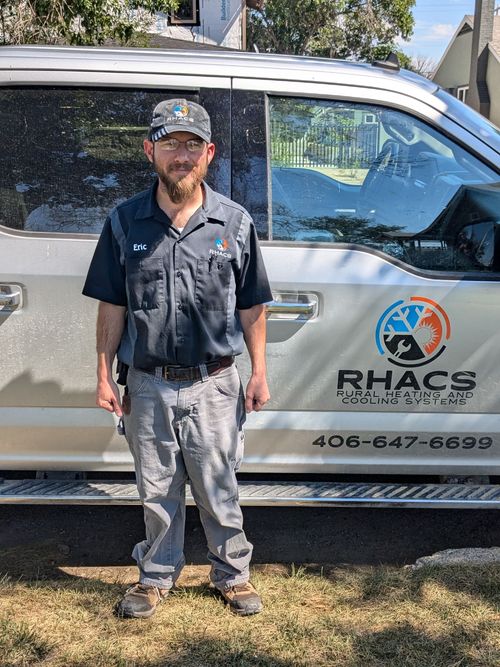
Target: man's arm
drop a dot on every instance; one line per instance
(110, 324)
(253, 322)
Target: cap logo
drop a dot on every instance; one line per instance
(177, 115)
(181, 111)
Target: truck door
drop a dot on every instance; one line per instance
(380, 232)
(70, 153)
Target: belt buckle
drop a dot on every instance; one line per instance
(180, 374)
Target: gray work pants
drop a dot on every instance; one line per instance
(188, 430)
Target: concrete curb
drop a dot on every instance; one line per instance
(469, 556)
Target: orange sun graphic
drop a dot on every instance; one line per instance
(429, 331)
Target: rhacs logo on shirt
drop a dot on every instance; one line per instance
(222, 245)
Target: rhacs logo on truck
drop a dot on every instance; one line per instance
(409, 334)
(413, 332)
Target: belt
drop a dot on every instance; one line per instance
(191, 373)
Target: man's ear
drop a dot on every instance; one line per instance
(149, 149)
(210, 152)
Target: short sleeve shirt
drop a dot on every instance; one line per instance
(182, 290)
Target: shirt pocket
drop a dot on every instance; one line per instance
(145, 281)
(213, 279)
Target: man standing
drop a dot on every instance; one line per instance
(181, 285)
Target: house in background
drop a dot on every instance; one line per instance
(470, 66)
(209, 22)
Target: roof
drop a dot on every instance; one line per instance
(468, 22)
(156, 41)
(162, 42)
(215, 63)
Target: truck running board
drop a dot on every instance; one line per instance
(71, 492)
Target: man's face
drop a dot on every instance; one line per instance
(180, 171)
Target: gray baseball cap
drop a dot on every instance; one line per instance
(179, 116)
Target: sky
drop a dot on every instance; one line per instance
(435, 24)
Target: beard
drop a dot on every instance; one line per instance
(181, 189)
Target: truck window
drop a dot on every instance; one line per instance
(363, 174)
(70, 155)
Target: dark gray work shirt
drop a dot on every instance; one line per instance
(182, 290)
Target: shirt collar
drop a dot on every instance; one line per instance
(211, 207)
(148, 207)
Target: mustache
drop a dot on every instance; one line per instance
(181, 165)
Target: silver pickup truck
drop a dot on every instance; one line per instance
(376, 196)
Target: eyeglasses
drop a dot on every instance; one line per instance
(193, 145)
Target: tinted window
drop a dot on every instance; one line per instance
(68, 156)
(364, 174)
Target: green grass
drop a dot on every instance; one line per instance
(313, 617)
(20, 644)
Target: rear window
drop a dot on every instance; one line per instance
(70, 155)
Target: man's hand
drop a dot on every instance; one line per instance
(110, 324)
(108, 397)
(257, 393)
(253, 322)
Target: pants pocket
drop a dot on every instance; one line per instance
(228, 382)
(136, 382)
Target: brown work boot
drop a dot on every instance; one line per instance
(242, 599)
(140, 601)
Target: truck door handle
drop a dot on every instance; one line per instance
(288, 305)
(10, 297)
(290, 308)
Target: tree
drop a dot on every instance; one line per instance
(331, 28)
(76, 21)
(423, 65)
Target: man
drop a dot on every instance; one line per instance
(181, 285)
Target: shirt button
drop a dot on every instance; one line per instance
(179, 274)
(179, 306)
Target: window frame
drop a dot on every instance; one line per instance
(193, 20)
(462, 93)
